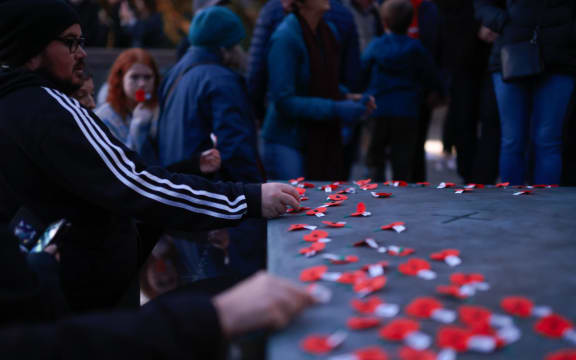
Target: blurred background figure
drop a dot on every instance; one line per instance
(400, 71)
(367, 19)
(472, 125)
(532, 103)
(307, 109)
(143, 24)
(131, 108)
(270, 17)
(86, 95)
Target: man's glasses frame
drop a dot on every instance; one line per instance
(73, 43)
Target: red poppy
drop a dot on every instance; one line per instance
(362, 323)
(360, 210)
(331, 224)
(502, 184)
(352, 277)
(337, 197)
(423, 307)
(381, 195)
(296, 181)
(461, 279)
(369, 187)
(371, 353)
(454, 338)
(553, 326)
(399, 329)
(363, 182)
(333, 203)
(295, 227)
(413, 266)
(367, 306)
(298, 210)
(313, 274)
(517, 305)
(307, 185)
(392, 225)
(313, 249)
(566, 354)
(301, 191)
(316, 235)
(451, 290)
(344, 259)
(320, 210)
(441, 255)
(369, 285)
(316, 344)
(408, 353)
(474, 315)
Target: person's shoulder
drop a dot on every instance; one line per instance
(288, 30)
(105, 111)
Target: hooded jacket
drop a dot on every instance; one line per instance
(60, 161)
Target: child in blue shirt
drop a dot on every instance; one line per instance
(399, 70)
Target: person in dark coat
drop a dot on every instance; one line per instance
(308, 108)
(464, 49)
(203, 95)
(271, 15)
(60, 161)
(533, 107)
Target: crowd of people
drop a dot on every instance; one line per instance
(180, 160)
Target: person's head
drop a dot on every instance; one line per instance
(308, 6)
(145, 7)
(133, 70)
(85, 95)
(397, 15)
(216, 27)
(43, 36)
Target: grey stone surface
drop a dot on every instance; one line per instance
(523, 245)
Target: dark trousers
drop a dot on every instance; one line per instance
(394, 139)
(473, 106)
(569, 145)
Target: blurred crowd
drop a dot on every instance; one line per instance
(281, 89)
(292, 88)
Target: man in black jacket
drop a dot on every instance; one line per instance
(60, 161)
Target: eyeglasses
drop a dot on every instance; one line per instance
(73, 43)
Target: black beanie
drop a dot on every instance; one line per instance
(28, 26)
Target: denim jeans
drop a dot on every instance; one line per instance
(534, 108)
(283, 162)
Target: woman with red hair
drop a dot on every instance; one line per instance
(131, 108)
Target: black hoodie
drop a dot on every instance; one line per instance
(60, 161)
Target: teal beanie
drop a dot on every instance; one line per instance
(215, 27)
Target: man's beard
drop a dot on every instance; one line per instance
(68, 87)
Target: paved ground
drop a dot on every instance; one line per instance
(522, 244)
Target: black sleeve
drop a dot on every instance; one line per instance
(492, 14)
(29, 285)
(81, 155)
(188, 166)
(181, 326)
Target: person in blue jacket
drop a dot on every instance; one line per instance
(271, 15)
(399, 69)
(203, 95)
(307, 106)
